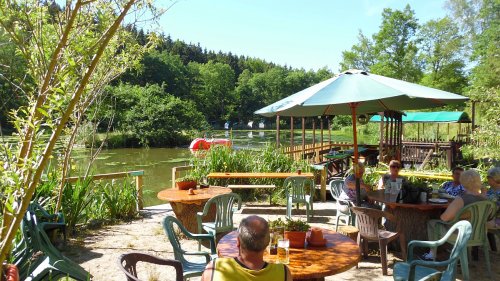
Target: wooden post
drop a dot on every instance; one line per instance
(277, 131)
(323, 184)
(381, 142)
(138, 185)
(321, 126)
(329, 134)
(314, 132)
(303, 135)
(175, 174)
(292, 148)
(473, 119)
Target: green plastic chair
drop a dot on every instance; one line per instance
(36, 257)
(343, 206)
(48, 221)
(478, 214)
(296, 193)
(224, 210)
(189, 268)
(416, 269)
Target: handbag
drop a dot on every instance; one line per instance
(410, 194)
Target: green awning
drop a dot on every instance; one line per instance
(432, 117)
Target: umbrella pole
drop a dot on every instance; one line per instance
(355, 144)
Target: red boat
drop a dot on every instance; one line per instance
(205, 144)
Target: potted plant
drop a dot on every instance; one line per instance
(276, 229)
(186, 182)
(295, 231)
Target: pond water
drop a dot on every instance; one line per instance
(157, 163)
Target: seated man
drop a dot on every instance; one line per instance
(253, 238)
(454, 187)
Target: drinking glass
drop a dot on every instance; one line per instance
(395, 188)
(283, 251)
(387, 187)
(277, 233)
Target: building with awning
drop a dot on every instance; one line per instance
(431, 117)
(421, 149)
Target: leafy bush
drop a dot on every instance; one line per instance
(119, 202)
(75, 200)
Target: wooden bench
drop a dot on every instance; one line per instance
(250, 175)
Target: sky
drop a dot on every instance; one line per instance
(308, 34)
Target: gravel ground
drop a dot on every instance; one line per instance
(98, 251)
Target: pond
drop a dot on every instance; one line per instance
(157, 163)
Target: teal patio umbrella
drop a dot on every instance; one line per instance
(358, 92)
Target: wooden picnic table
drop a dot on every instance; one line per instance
(185, 206)
(413, 217)
(311, 263)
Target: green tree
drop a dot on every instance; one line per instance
(392, 52)
(396, 46)
(361, 55)
(442, 50)
(159, 119)
(12, 73)
(480, 22)
(214, 90)
(71, 55)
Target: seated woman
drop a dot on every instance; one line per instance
(349, 189)
(454, 187)
(392, 176)
(493, 193)
(471, 181)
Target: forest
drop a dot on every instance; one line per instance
(178, 89)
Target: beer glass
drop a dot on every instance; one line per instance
(283, 251)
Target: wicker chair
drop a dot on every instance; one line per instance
(128, 262)
(367, 221)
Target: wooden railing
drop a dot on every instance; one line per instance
(315, 151)
(447, 153)
(138, 182)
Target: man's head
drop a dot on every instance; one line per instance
(253, 234)
(456, 172)
(494, 176)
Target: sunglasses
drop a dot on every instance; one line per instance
(397, 167)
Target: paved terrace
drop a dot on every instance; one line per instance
(98, 251)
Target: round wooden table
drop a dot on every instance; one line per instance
(413, 217)
(185, 206)
(312, 263)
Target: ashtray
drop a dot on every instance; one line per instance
(319, 243)
(204, 185)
